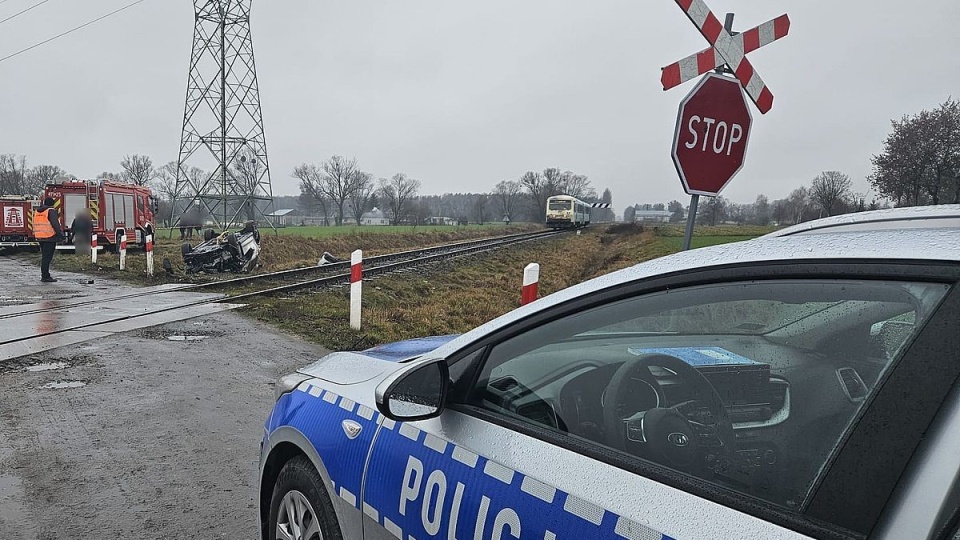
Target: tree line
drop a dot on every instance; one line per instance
(338, 187)
(829, 193)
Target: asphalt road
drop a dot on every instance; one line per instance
(140, 436)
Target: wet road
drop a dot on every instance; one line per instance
(40, 316)
(151, 433)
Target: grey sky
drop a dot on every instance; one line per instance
(462, 95)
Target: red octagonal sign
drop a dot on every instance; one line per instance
(710, 141)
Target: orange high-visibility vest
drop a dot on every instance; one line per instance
(42, 228)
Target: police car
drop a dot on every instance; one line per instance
(800, 385)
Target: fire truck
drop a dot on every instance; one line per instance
(116, 209)
(16, 229)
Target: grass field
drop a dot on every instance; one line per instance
(458, 295)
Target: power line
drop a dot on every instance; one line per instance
(4, 1)
(23, 11)
(72, 30)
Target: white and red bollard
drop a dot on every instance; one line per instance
(148, 246)
(122, 241)
(531, 277)
(356, 284)
(93, 248)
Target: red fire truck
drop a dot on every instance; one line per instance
(115, 209)
(16, 229)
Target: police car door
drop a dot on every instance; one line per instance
(525, 447)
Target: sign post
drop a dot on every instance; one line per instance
(122, 244)
(148, 246)
(356, 287)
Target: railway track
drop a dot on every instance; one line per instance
(268, 283)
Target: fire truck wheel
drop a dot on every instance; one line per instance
(185, 249)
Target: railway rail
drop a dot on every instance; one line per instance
(308, 278)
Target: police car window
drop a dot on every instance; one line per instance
(748, 385)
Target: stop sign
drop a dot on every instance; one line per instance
(710, 141)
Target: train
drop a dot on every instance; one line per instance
(566, 212)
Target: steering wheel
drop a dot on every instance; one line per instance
(666, 435)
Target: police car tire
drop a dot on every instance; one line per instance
(299, 474)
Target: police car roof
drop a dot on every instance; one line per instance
(916, 217)
(922, 244)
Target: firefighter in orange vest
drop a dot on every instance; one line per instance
(46, 227)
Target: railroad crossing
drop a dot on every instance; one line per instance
(79, 309)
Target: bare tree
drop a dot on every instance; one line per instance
(338, 182)
(676, 211)
(363, 190)
(508, 194)
(540, 190)
(165, 181)
(311, 178)
(111, 176)
(13, 176)
(397, 193)
(480, 207)
(575, 185)
(829, 190)
(137, 169)
(41, 175)
(713, 211)
(246, 173)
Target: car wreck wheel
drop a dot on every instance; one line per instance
(300, 508)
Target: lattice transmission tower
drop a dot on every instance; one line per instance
(222, 171)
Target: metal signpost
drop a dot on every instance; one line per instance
(713, 124)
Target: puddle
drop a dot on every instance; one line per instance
(64, 384)
(186, 338)
(47, 366)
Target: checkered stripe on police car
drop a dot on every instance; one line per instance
(575, 506)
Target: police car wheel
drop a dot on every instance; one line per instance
(300, 508)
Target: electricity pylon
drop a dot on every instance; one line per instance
(222, 170)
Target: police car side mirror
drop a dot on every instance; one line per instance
(417, 392)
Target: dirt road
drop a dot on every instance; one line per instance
(139, 435)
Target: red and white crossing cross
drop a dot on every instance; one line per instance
(726, 49)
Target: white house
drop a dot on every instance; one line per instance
(374, 217)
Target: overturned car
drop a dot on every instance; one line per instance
(228, 252)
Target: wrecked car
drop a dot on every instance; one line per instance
(227, 252)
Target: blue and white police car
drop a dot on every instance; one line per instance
(800, 385)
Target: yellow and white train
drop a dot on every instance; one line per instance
(566, 212)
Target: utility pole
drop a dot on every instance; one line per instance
(223, 131)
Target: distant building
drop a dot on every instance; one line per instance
(284, 217)
(374, 217)
(652, 216)
(435, 220)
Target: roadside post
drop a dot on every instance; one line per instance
(713, 124)
(122, 242)
(149, 248)
(93, 248)
(531, 279)
(356, 284)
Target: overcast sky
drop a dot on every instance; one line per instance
(461, 95)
